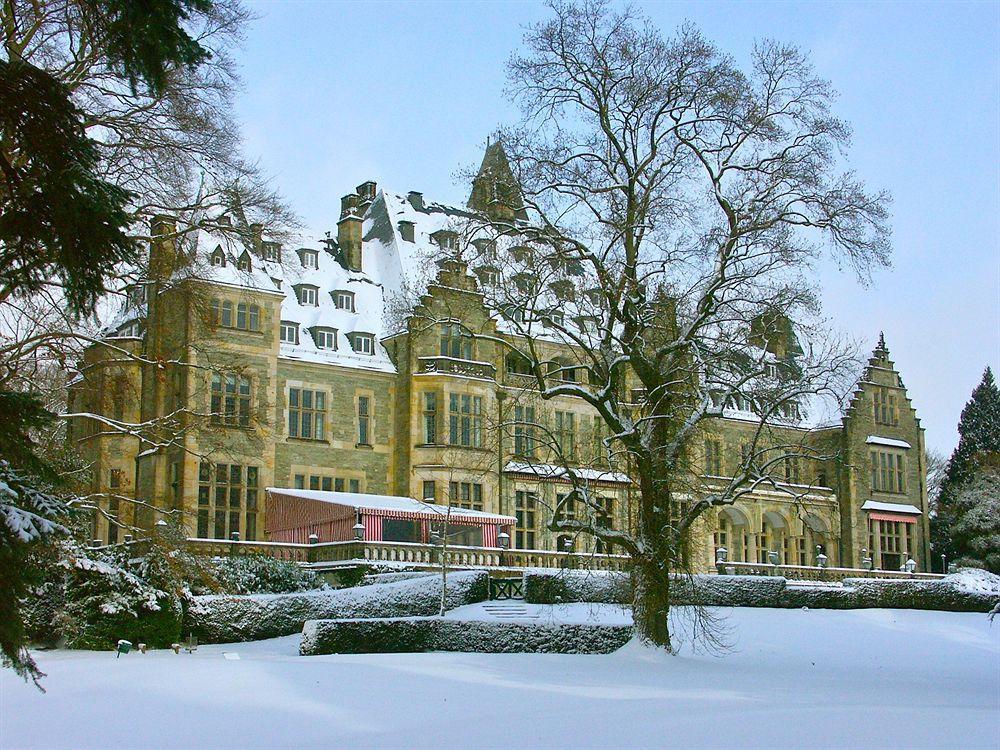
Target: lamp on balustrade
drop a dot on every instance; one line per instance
(721, 555)
(359, 531)
(821, 560)
(314, 538)
(234, 536)
(911, 565)
(866, 563)
(503, 539)
(772, 557)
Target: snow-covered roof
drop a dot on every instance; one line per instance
(553, 471)
(891, 442)
(891, 507)
(361, 501)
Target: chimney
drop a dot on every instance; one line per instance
(257, 235)
(163, 257)
(416, 200)
(407, 230)
(366, 196)
(349, 230)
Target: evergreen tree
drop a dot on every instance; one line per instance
(977, 526)
(979, 438)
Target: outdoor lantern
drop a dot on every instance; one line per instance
(235, 536)
(313, 538)
(435, 537)
(911, 566)
(503, 539)
(568, 545)
(952, 568)
(96, 543)
(944, 565)
(866, 563)
(128, 538)
(821, 560)
(359, 531)
(772, 557)
(721, 555)
(161, 523)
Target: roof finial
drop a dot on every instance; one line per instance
(881, 347)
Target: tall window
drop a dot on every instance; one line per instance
(227, 493)
(465, 420)
(713, 458)
(455, 341)
(525, 507)
(289, 332)
(175, 484)
(599, 450)
(231, 399)
(524, 431)
(430, 417)
(884, 403)
(364, 420)
(566, 434)
(888, 472)
(306, 414)
(465, 495)
(792, 469)
(430, 490)
(604, 517)
(247, 317)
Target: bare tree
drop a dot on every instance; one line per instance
(667, 210)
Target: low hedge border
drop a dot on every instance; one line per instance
(422, 634)
(761, 591)
(226, 619)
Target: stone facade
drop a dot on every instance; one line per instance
(302, 383)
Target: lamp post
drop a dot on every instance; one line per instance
(911, 566)
(568, 549)
(503, 539)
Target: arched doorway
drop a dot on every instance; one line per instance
(733, 533)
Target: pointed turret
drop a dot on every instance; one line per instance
(495, 191)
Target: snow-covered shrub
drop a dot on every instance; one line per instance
(420, 634)
(549, 587)
(222, 619)
(408, 575)
(728, 591)
(953, 593)
(261, 574)
(106, 601)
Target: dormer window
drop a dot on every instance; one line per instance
(563, 289)
(325, 338)
(272, 251)
(307, 294)
(771, 370)
(790, 410)
(218, 258)
(522, 254)
(487, 248)
(244, 264)
(525, 282)
(487, 274)
(553, 318)
(587, 323)
(137, 294)
(363, 343)
(289, 332)
(309, 258)
(446, 239)
(344, 300)
(129, 331)
(276, 282)
(515, 314)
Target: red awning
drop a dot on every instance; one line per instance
(878, 515)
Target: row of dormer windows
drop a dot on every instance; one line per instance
(308, 294)
(326, 338)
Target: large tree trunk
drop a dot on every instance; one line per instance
(651, 601)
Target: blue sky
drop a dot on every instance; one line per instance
(336, 93)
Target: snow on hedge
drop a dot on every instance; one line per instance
(965, 591)
(420, 634)
(223, 619)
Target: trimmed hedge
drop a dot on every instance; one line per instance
(951, 594)
(224, 619)
(421, 634)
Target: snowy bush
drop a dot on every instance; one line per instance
(222, 619)
(105, 602)
(373, 578)
(261, 574)
(420, 634)
(966, 591)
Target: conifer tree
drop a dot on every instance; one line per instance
(979, 439)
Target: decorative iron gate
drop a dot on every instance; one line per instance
(506, 588)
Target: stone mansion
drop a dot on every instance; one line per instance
(270, 366)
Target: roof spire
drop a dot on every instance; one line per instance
(495, 191)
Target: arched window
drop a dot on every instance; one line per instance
(517, 364)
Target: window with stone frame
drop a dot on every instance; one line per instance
(228, 495)
(465, 420)
(566, 434)
(525, 509)
(325, 338)
(362, 343)
(430, 417)
(468, 495)
(456, 342)
(429, 490)
(884, 406)
(364, 420)
(230, 399)
(308, 295)
(713, 457)
(306, 414)
(604, 517)
(525, 441)
(792, 470)
(888, 472)
(344, 300)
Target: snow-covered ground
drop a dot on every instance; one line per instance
(793, 679)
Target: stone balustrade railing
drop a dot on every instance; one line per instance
(454, 366)
(810, 573)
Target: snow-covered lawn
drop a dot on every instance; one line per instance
(794, 679)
